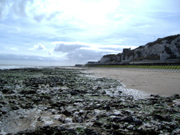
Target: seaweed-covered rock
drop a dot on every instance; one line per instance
(66, 101)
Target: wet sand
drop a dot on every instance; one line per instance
(150, 82)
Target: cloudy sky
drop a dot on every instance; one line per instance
(66, 32)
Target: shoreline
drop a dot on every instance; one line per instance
(150, 82)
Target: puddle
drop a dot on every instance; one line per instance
(135, 93)
(22, 119)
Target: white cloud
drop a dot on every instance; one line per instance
(14, 49)
(11, 48)
(38, 47)
(50, 53)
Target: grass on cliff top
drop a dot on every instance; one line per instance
(175, 67)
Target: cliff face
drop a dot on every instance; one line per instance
(163, 49)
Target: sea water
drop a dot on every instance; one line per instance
(10, 66)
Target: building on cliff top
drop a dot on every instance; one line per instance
(162, 51)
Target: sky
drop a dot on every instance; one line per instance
(69, 32)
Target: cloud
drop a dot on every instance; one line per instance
(14, 49)
(40, 17)
(14, 8)
(38, 47)
(50, 53)
(83, 56)
(67, 46)
(19, 7)
(2, 7)
(78, 52)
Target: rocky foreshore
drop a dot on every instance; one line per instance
(66, 101)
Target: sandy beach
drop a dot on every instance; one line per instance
(150, 82)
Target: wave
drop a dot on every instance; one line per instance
(15, 66)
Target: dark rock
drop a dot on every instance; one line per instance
(128, 119)
(28, 92)
(90, 132)
(162, 118)
(137, 122)
(15, 107)
(107, 107)
(117, 119)
(115, 126)
(118, 132)
(97, 124)
(175, 96)
(67, 113)
(3, 102)
(107, 126)
(73, 92)
(7, 91)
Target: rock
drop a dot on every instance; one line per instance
(128, 119)
(15, 107)
(162, 118)
(7, 91)
(67, 113)
(175, 96)
(68, 120)
(90, 132)
(107, 126)
(115, 126)
(117, 119)
(118, 132)
(107, 107)
(97, 124)
(28, 92)
(137, 122)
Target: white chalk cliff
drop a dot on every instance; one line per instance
(161, 50)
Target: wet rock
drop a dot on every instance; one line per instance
(115, 126)
(117, 119)
(175, 96)
(162, 118)
(118, 132)
(90, 132)
(67, 113)
(107, 107)
(15, 107)
(97, 124)
(28, 92)
(8, 91)
(73, 92)
(137, 122)
(68, 120)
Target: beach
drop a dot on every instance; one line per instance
(151, 82)
(56, 100)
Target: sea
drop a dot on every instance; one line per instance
(9, 66)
